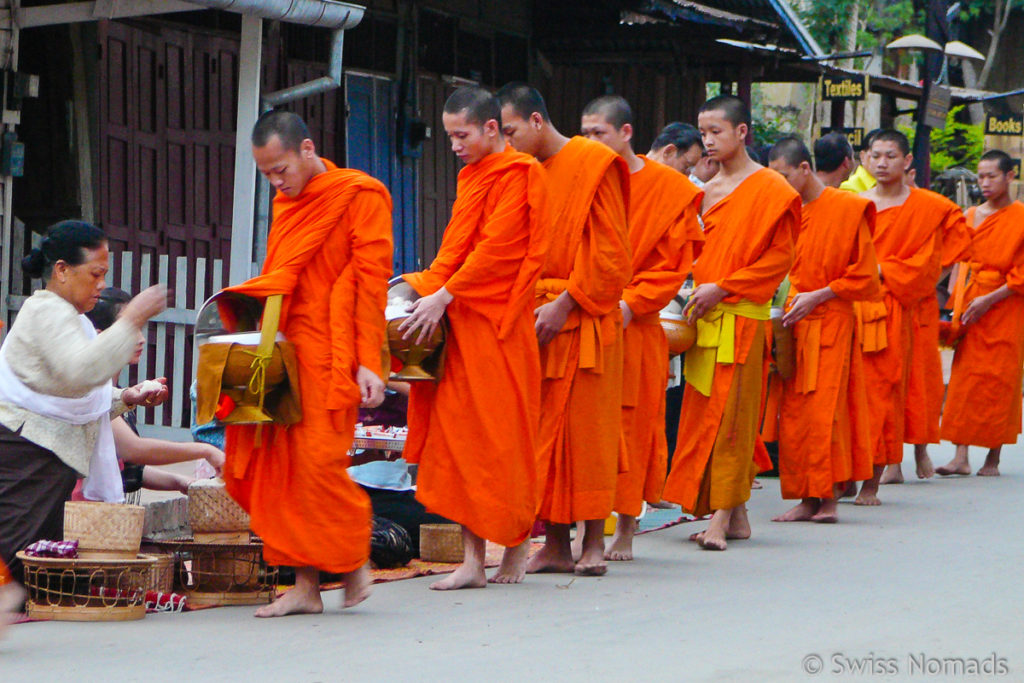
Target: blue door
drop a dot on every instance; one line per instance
(370, 144)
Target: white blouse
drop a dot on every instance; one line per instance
(48, 350)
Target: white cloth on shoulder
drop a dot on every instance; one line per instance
(104, 480)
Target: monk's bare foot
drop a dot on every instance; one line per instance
(621, 549)
(868, 496)
(577, 543)
(713, 538)
(849, 491)
(925, 468)
(513, 564)
(739, 525)
(801, 512)
(299, 600)
(591, 562)
(553, 557)
(357, 586)
(465, 576)
(756, 485)
(954, 466)
(827, 513)
(893, 475)
(991, 466)
(662, 505)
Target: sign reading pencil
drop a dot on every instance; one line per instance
(1004, 124)
(844, 88)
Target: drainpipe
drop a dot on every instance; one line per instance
(322, 13)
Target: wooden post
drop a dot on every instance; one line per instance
(243, 210)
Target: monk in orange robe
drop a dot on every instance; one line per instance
(11, 597)
(579, 327)
(474, 432)
(663, 229)
(911, 227)
(821, 448)
(751, 216)
(983, 406)
(329, 253)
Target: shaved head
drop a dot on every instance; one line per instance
(790, 149)
(289, 128)
(681, 135)
(733, 109)
(892, 135)
(1002, 159)
(830, 151)
(479, 105)
(612, 108)
(523, 99)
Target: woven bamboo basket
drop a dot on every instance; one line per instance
(61, 589)
(212, 510)
(104, 530)
(225, 574)
(161, 577)
(441, 543)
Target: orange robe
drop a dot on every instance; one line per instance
(824, 433)
(909, 246)
(748, 250)
(983, 406)
(579, 447)
(925, 385)
(5, 574)
(329, 253)
(663, 229)
(474, 432)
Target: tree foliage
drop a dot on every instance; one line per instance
(878, 21)
(958, 144)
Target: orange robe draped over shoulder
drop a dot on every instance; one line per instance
(663, 231)
(824, 432)
(474, 432)
(579, 443)
(748, 250)
(983, 404)
(329, 253)
(909, 244)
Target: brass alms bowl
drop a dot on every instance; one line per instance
(419, 361)
(681, 334)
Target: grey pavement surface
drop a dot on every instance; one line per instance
(928, 582)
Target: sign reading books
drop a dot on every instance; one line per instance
(1004, 124)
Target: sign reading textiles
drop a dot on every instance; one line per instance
(1004, 124)
(844, 88)
(854, 135)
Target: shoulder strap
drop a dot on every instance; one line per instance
(268, 328)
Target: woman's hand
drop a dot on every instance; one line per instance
(145, 305)
(149, 393)
(215, 457)
(426, 314)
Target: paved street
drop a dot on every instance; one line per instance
(934, 573)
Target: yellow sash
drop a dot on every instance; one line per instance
(716, 341)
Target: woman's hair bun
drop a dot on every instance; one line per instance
(34, 263)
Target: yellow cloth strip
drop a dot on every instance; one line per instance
(716, 341)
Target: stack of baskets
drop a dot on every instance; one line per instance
(109, 578)
(222, 564)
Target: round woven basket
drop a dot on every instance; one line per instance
(104, 530)
(211, 509)
(161, 576)
(441, 543)
(76, 589)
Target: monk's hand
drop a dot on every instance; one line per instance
(371, 387)
(149, 393)
(805, 302)
(627, 314)
(426, 315)
(977, 308)
(551, 317)
(704, 298)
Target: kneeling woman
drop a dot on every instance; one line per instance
(56, 398)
